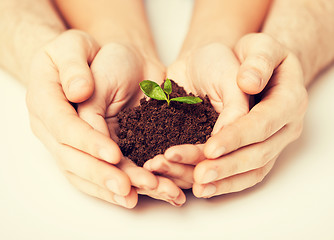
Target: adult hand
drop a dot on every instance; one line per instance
(208, 70)
(117, 69)
(60, 73)
(242, 153)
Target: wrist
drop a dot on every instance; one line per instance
(311, 43)
(136, 38)
(111, 22)
(308, 67)
(224, 22)
(213, 33)
(24, 39)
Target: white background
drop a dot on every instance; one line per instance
(294, 202)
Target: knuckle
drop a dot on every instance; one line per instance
(234, 136)
(259, 173)
(303, 103)
(230, 168)
(75, 36)
(234, 168)
(164, 168)
(269, 41)
(70, 69)
(297, 131)
(247, 39)
(267, 128)
(227, 186)
(263, 63)
(263, 156)
(72, 40)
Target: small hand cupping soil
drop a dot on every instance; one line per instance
(151, 128)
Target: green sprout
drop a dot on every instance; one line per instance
(153, 90)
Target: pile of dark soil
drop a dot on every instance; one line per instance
(149, 129)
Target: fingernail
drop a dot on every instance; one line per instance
(209, 176)
(175, 157)
(252, 77)
(209, 190)
(120, 200)
(215, 152)
(77, 84)
(155, 165)
(179, 201)
(147, 165)
(169, 196)
(112, 185)
(165, 195)
(176, 204)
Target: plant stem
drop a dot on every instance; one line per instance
(168, 100)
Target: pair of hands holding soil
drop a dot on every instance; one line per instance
(105, 79)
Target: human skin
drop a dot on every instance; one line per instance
(38, 50)
(32, 43)
(206, 65)
(283, 61)
(127, 56)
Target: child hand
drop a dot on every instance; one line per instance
(209, 70)
(117, 70)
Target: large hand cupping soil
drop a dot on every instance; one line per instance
(149, 129)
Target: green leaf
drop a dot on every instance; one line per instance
(152, 90)
(168, 86)
(188, 99)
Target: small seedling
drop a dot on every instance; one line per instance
(153, 90)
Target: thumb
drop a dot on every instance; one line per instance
(259, 55)
(72, 53)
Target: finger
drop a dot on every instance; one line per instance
(115, 87)
(221, 86)
(154, 186)
(154, 69)
(264, 119)
(243, 160)
(170, 169)
(232, 184)
(166, 191)
(62, 121)
(185, 154)
(94, 116)
(72, 53)
(129, 201)
(182, 184)
(139, 177)
(83, 165)
(231, 111)
(93, 170)
(259, 55)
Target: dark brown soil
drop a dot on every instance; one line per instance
(149, 129)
